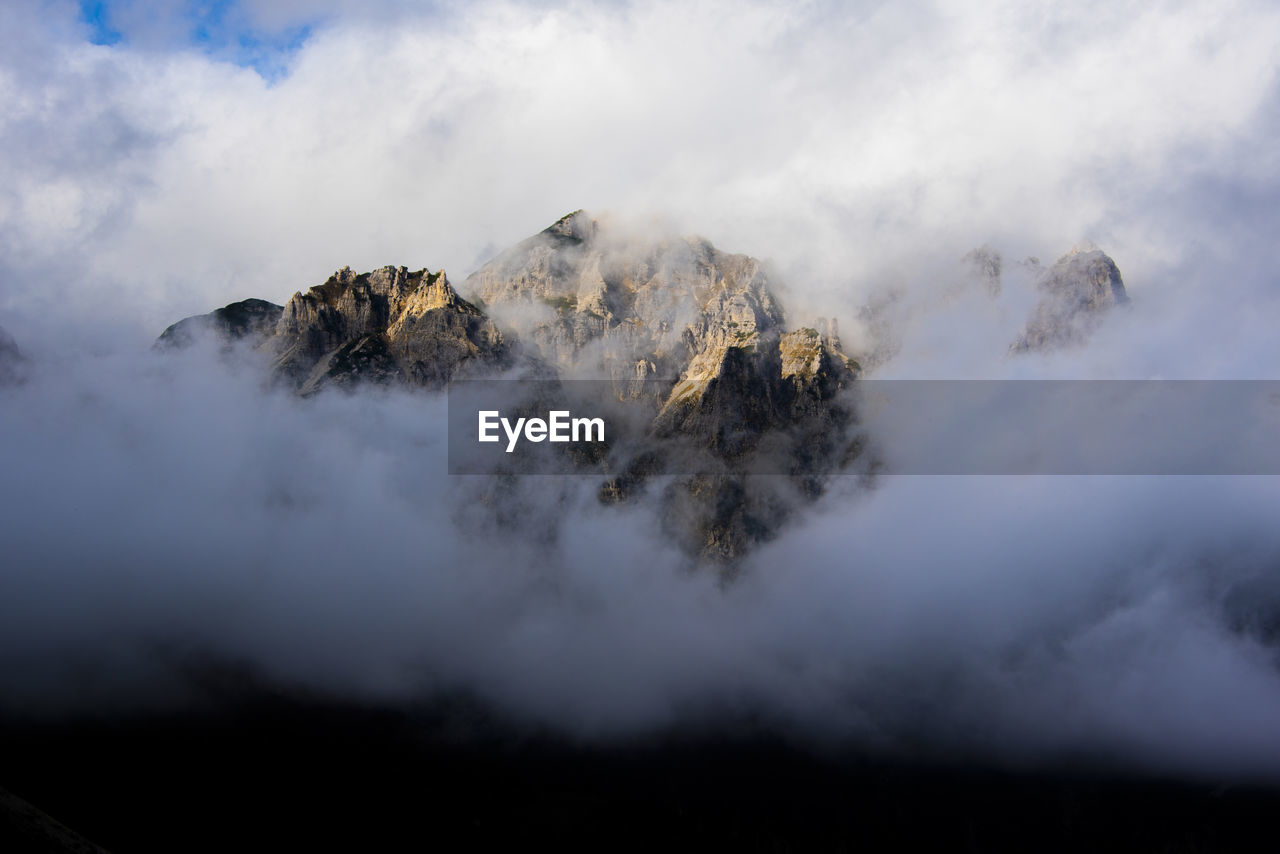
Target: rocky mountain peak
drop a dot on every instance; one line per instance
(1088, 276)
(252, 319)
(575, 226)
(730, 385)
(594, 298)
(587, 298)
(387, 325)
(987, 265)
(1076, 293)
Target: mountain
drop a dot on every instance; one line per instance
(1076, 293)
(593, 300)
(599, 302)
(254, 319)
(386, 326)
(691, 338)
(389, 325)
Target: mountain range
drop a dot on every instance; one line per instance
(584, 299)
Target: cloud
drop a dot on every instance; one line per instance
(851, 144)
(158, 511)
(164, 512)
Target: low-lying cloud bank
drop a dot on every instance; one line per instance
(165, 510)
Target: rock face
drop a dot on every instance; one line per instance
(598, 304)
(692, 339)
(386, 326)
(1077, 292)
(252, 319)
(12, 362)
(741, 387)
(986, 264)
(694, 333)
(593, 302)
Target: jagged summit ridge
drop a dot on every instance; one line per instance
(1076, 293)
(388, 325)
(595, 300)
(383, 326)
(694, 334)
(586, 296)
(586, 299)
(254, 319)
(576, 226)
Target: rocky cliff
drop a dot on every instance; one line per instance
(252, 319)
(603, 304)
(1076, 293)
(740, 388)
(598, 302)
(389, 325)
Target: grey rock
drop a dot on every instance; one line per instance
(360, 361)
(389, 325)
(1076, 293)
(251, 319)
(386, 326)
(743, 393)
(739, 390)
(600, 302)
(986, 264)
(583, 298)
(347, 307)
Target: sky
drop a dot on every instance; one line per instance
(163, 159)
(167, 158)
(225, 31)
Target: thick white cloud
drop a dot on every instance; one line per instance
(861, 147)
(852, 144)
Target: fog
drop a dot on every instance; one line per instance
(161, 512)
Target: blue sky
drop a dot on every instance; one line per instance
(219, 28)
(98, 16)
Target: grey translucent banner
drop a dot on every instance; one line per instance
(929, 427)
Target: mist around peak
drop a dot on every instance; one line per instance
(898, 170)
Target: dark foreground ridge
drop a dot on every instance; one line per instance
(270, 773)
